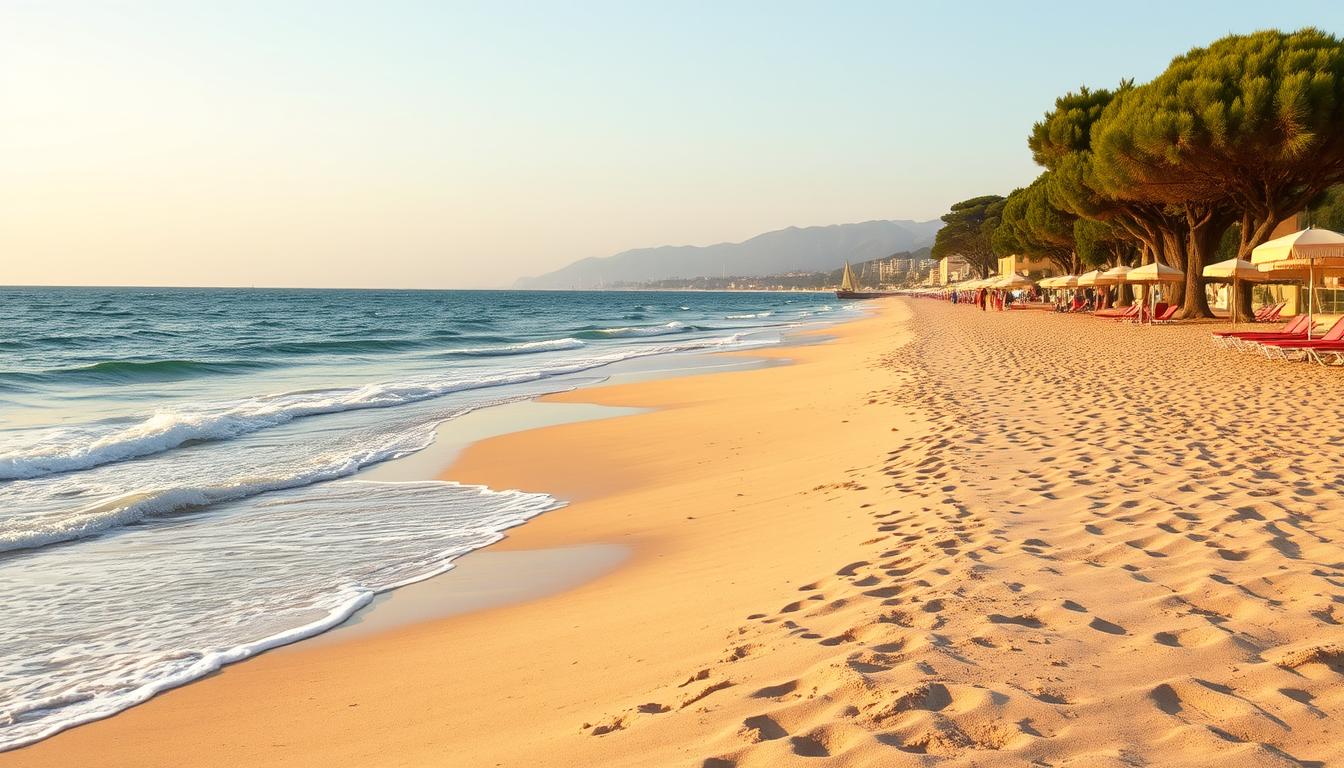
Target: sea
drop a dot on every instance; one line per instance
(181, 469)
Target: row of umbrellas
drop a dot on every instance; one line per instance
(1007, 282)
(1308, 254)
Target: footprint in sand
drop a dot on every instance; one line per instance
(762, 728)
(1102, 625)
(776, 691)
(1021, 621)
(807, 747)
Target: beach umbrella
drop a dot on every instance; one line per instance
(1152, 274)
(1234, 270)
(1067, 282)
(1096, 279)
(1014, 281)
(1088, 279)
(1308, 249)
(1116, 274)
(1309, 271)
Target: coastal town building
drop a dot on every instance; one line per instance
(953, 269)
(1025, 265)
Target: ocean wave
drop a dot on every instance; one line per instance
(134, 507)
(523, 348)
(634, 331)
(749, 316)
(151, 370)
(328, 346)
(62, 449)
(156, 630)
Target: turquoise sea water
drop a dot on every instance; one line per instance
(179, 480)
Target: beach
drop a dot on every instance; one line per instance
(942, 537)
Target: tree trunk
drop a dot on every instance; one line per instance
(1172, 253)
(1255, 230)
(1124, 292)
(1207, 226)
(1245, 295)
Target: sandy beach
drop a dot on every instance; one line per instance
(946, 537)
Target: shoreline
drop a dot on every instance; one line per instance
(466, 468)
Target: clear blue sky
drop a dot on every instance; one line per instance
(462, 145)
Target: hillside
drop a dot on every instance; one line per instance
(806, 249)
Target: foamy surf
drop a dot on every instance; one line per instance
(297, 563)
(525, 348)
(675, 326)
(59, 450)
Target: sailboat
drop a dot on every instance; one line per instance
(849, 288)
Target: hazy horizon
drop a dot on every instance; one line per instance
(418, 145)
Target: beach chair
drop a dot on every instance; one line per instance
(1119, 314)
(1167, 315)
(1247, 341)
(1327, 356)
(1300, 349)
(1269, 313)
(1295, 327)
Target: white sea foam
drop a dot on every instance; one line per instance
(64, 449)
(550, 345)
(644, 330)
(252, 575)
(751, 316)
(24, 532)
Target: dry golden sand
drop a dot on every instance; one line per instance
(950, 538)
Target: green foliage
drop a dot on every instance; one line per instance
(1067, 129)
(1062, 142)
(1253, 122)
(1327, 210)
(969, 232)
(1032, 226)
(1100, 244)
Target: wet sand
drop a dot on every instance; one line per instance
(947, 538)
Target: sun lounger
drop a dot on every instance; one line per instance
(1118, 313)
(1327, 355)
(1298, 349)
(1247, 342)
(1269, 313)
(1297, 327)
(1167, 315)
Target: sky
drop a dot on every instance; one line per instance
(462, 145)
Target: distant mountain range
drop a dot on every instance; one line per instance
(811, 249)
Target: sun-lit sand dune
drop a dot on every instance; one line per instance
(948, 538)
